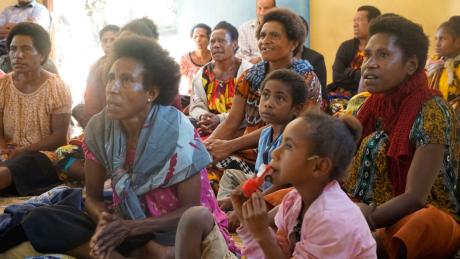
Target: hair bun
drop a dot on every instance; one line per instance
(353, 125)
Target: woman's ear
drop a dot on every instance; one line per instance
(297, 109)
(412, 65)
(152, 94)
(457, 43)
(295, 45)
(235, 45)
(42, 59)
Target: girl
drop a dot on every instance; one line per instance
(444, 68)
(316, 219)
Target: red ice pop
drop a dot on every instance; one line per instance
(251, 185)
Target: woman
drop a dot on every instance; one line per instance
(35, 108)
(95, 99)
(94, 92)
(405, 170)
(152, 155)
(280, 36)
(5, 65)
(192, 61)
(346, 70)
(215, 84)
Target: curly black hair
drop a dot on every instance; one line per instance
(201, 26)
(409, 36)
(305, 23)
(40, 37)
(296, 83)
(142, 26)
(291, 22)
(332, 137)
(229, 28)
(161, 70)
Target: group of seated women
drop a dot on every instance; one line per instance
(399, 198)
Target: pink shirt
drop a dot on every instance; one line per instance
(333, 227)
(189, 69)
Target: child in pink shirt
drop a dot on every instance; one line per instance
(315, 220)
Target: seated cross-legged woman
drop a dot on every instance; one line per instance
(152, 155)
(215, 84)
(280, 36)
(35, 108)
(405, 172)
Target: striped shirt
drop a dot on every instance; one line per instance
(33, 12)
(247, 41)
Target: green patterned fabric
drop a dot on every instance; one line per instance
(369, 179)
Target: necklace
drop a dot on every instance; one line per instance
(228, 73)
(296, 230)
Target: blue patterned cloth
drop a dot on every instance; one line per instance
(257, 73)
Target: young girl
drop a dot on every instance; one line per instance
(444, 68)
(315, 220)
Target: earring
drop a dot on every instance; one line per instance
(149, 100)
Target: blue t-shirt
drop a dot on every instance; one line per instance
(265, 149)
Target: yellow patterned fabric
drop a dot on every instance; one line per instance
(438, 76)
(27, 117)
(369, 179)
(219, 93)
(356, 102)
